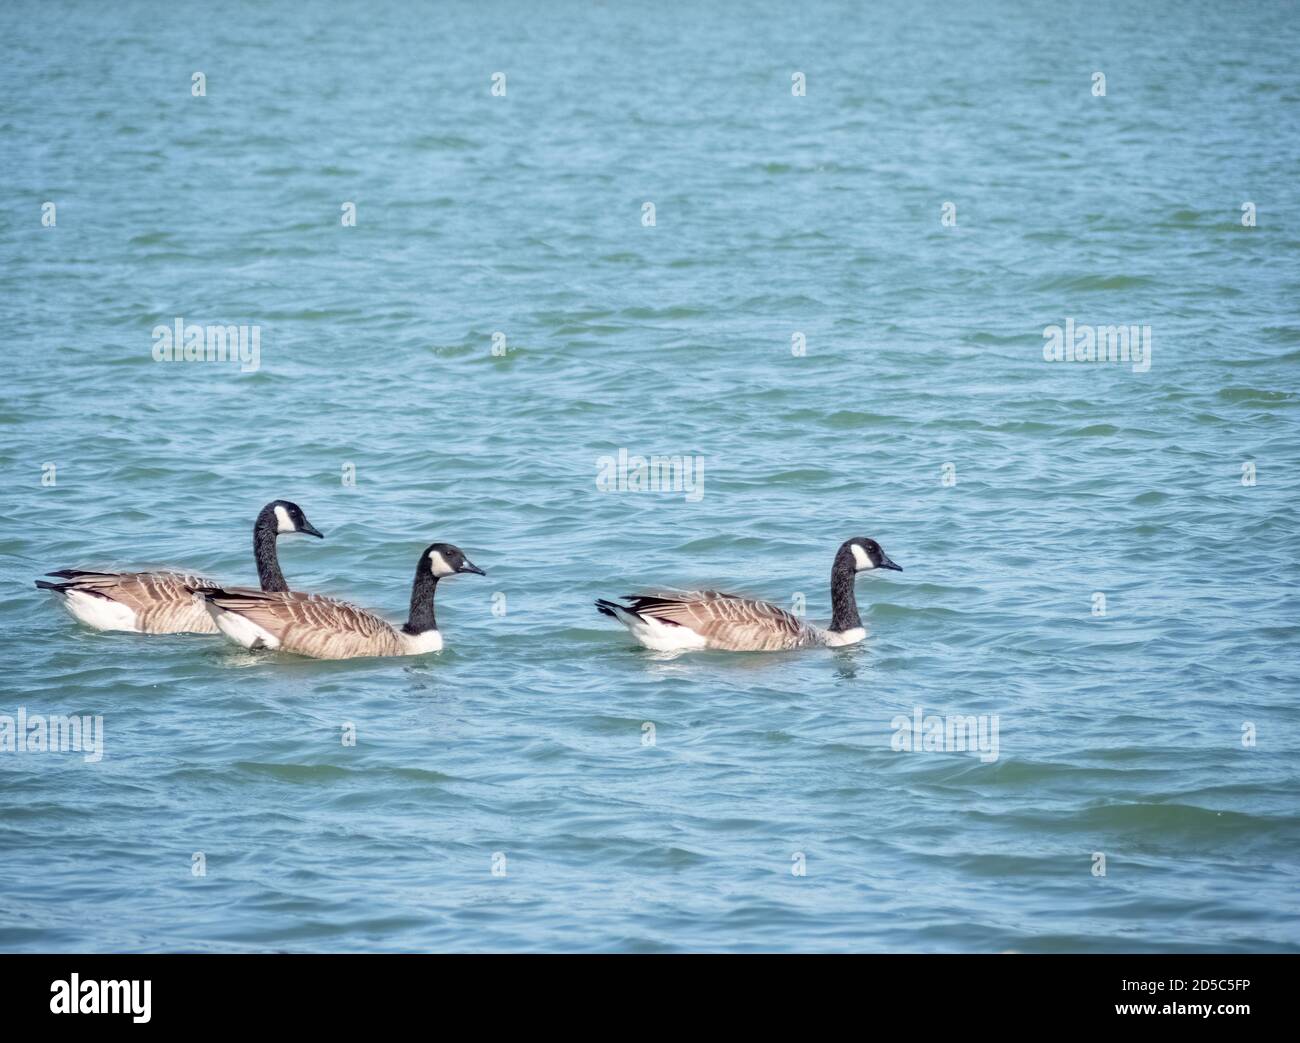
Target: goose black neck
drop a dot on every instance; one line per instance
(421, 619)
(268, 562)
(844, 600)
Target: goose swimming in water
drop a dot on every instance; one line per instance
(326, 628)
(709, 619)
(163, 602)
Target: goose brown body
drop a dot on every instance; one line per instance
(162, 602)
(328, 628)
(165, 602)
(309, 624)
(729, 623)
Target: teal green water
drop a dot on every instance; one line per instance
(1013, 490)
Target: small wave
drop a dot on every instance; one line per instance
(295, 772)
(1096, 283)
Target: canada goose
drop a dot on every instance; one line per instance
(326, 628)
(708, 619)
(163, 602)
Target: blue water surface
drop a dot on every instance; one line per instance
(839, 307)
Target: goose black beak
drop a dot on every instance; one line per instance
(887, 564)
(311, 530)
(469, 566)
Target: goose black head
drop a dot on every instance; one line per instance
(868, 555)
(443, 559)
(289, 518)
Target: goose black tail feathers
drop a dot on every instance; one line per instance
(212, 593)
(69, 574)
(609, 608)
(63, 588)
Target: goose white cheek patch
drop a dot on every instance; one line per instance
(440, 566)
(285, 522)
(861, 560)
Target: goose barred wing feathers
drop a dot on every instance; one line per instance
(727, 621)
(311, 624)
(162, 601)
